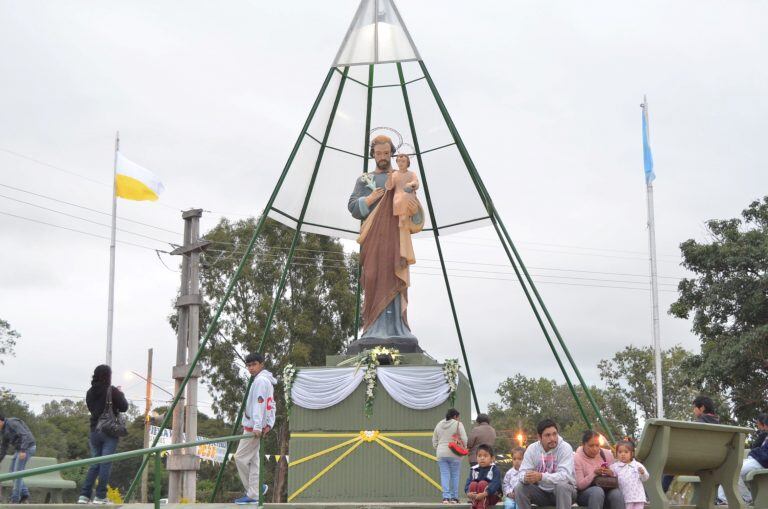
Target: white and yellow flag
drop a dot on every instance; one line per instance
(133, 182)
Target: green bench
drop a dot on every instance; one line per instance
(713, 452)
(51, 483)
(757, 481)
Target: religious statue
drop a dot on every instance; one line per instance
(385, 200)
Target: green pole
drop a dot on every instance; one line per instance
(118, 456)
(584, 386)
(485, 196)
(365, 170)
(158, 480)
(283, 279)
(437, 233)
(235, 428)
(232, 281)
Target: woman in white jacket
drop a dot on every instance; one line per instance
(448, 461)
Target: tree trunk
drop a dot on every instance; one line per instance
(282, 466)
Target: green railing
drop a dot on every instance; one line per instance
(119, 456)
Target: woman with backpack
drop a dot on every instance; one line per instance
(100, 398)
(449, 441)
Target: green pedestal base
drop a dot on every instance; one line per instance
(385, 470)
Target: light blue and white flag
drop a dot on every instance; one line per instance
(650, 176)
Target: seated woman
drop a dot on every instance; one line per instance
(590, 461)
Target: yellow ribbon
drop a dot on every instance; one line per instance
(357, 439)
(325, 470)
(411, 465)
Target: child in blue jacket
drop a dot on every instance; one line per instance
(483, 486)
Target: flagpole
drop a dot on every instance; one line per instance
(654, 274)
(111, 305)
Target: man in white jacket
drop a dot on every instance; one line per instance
(546, 475)
(258, 419)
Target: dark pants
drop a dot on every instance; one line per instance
(596, 497)
(479, 487)
(666, 481)
(101, 445)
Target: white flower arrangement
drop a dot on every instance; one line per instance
(451, 374)
(371, 361)
(369, 181)
(289, 375)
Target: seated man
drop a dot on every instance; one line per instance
(546, 475)
(757, 459)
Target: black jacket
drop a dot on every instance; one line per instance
(16, 433)
(96, 400)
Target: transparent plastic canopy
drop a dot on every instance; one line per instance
(378, 72)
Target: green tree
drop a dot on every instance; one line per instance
(631, 374)
(728, 301)
(8, 338)
(315, 315)
(526, 401)
(72, 421)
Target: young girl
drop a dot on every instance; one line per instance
(512, 477)
(484, 483)
(631, 474)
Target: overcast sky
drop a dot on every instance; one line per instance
(211, 96)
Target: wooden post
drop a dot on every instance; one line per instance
(182, 465)
(147, 410)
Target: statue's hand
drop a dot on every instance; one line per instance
(374, 196)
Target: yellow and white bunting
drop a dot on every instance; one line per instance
(134, 182)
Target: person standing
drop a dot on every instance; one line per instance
(15, 432)
(589, 462)
(447, 460)
(101, 444)
(258, 420)
(482, 433)
(546, 475)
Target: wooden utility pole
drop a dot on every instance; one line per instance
(184, 464)
(147, 410)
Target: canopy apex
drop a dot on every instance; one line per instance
(376, 35)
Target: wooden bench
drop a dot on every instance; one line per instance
(713, 452)
(52, 482)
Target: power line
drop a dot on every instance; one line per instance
(49, 165)
(79, 231)
(82, 218)
(89, 209)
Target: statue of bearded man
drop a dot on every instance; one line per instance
(385, 255)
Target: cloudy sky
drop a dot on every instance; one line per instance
(212, 95)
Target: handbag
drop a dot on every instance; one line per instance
(110, 424)
(607, 482)
(457, 445)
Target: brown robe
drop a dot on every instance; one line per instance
(385, 267)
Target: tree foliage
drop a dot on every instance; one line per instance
(314, 318)
(526, 401)
(728, 301)
(631, 375)
(8, 338)
(315, 315)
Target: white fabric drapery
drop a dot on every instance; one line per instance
(316, 389)
(415, 387)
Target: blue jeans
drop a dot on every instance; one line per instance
(509, 503)
(101, 445)
(449, 476)
(17, 465)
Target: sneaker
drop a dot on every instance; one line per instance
(246, 500)
(454, 500)
(83, 500)
(264, 489)
(102, 501)
(446, 501)
(24, 499)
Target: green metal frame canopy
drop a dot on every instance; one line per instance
(379, 79)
